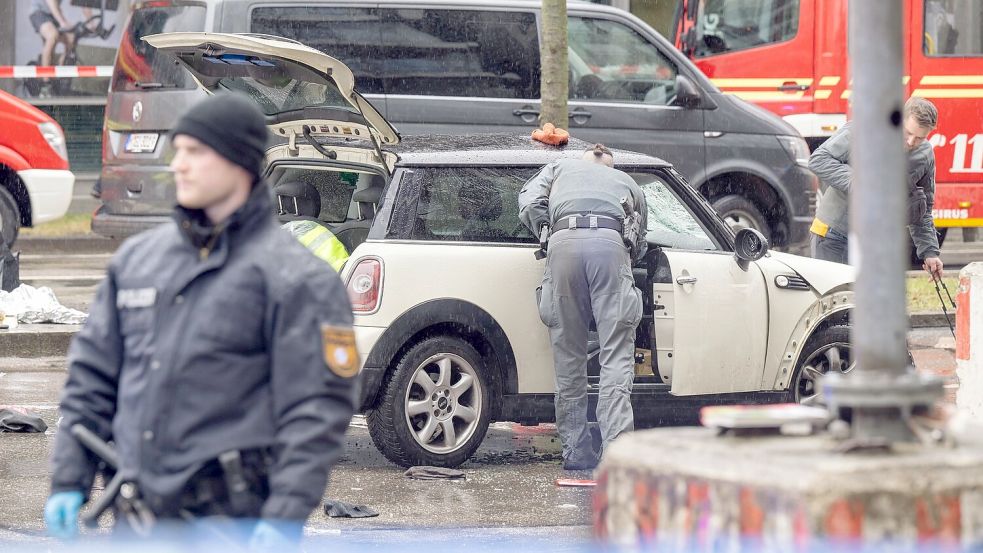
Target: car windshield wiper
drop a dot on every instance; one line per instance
(150, 85)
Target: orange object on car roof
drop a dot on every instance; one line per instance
(550, 134)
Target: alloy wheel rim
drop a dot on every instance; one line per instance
(443, 403)
(836, 356)
(738, 220)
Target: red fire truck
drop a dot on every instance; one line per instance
(791, 57)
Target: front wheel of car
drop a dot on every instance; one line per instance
(434, 407)
(825, 351)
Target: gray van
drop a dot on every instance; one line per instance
(465, 67)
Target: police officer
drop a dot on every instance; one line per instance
(588, 276)
(218, 350)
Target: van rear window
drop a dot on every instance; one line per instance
(138, 65)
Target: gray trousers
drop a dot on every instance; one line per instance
(588, 276)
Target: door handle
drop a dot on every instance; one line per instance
(685, 280)
(793, 87)
(525, 111)
(584, 114)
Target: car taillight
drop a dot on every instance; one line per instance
(365, 286)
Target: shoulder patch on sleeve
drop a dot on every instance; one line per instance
(340, 353)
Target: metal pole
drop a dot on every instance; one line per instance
(877, 201)
(883, 390)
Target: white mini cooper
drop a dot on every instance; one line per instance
(442, 275)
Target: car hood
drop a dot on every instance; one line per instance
(301, 90)
(824, 276)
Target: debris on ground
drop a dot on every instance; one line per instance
(340, 509)
(16, 419)
(38, 305)
(575, 483)
(433, 473)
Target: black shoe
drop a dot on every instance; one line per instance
(579, 465)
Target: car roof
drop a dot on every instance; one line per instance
(500, 149)
(528, 4)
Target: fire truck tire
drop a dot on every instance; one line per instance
(740, 212)
(9, 217)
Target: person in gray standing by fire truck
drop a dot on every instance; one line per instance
(831, 163)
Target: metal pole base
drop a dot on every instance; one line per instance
(881, 403)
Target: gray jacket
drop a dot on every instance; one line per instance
(578, 187)
(200, 343)
(831, 163)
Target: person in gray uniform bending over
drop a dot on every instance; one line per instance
(587, 206)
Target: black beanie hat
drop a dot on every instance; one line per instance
(232, 125)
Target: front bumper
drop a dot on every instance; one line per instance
(50, 191)
(122, 226)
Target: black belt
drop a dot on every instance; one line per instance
(590, 221)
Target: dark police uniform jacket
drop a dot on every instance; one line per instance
(202, 342)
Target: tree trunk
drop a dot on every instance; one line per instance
(554, 83)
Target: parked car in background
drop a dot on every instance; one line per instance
(35, 182)
(467, 67)
(442, 274)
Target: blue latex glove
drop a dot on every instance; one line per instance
(268, 536)
(61, 514)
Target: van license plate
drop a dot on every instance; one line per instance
(142, 142)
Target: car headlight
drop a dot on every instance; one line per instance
(796, 148)
(55, 138)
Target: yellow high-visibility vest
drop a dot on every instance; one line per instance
(322, 243)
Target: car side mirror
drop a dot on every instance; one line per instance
(749, 245)
(687, 95)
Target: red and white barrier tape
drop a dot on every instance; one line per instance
(38, 71)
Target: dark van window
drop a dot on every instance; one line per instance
(350, 35)
(611, 62)
(138, 65)
(461, 53)
(470, 204)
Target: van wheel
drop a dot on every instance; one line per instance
(827, 350)
(435, 406)
(9, 218)
(740, 212)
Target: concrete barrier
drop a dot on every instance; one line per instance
(689, 489)
(969, 341)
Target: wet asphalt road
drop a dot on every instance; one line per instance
(509, 496)
(509, 492)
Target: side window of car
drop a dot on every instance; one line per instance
(470, 204)
(611, 62)
(351, 35)
(671, 223)
(437, 52)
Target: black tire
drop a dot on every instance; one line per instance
(390, 423)
(9, 217)
(32, 86)
(740, 212)
(817, 354)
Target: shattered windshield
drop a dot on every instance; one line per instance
(670, 223)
